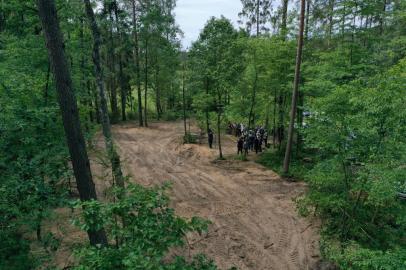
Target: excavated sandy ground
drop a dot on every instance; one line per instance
(255, 224)
(254, 221)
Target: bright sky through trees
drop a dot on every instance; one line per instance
(191, 15)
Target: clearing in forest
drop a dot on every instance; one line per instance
(255, 224)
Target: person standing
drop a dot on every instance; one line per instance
(210, 137)
(246, 147)
(251, 138)
(240, 145)
(256, 145)
(266, 139)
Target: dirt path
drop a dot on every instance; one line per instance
(254, 225)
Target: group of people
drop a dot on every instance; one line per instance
(248, 139)
(252, 140)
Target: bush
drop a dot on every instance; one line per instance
(171, 115)
(273, 159)
(151, 229)
(189, 138)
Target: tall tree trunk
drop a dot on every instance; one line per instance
(343, 19)
(382, 17)
(70, 114)
(258, 16)
(124, 90)
(300, 109)
(137, 64)
(96, 104)
(113, 155)
(46, 88)
(288, 153)
(267, 112)
(251, 117)
(157, 92)
(83, 83)
(354, 20)
(281, 120)
(219, 125)
(299, 122)
(146, 84)
(113, 85)
(284, 29)
(123, 86)
(274, 120)
(90, 103)
(284, 33)
(306, 31)
(331, 4)
(207, 109)
(184, 99)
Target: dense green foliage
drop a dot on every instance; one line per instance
(350, 142)
(350, 133)
(35, 171)
(151, 229)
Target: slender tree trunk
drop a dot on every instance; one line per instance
(306, 31)
(83, 83)
(90, 103)
(70, 114)
(157, 92)
(281, 120)
(274, 120)
(258, 17)
(113, 155)
(219, 125)
(146, 84)
(267, 112)
(251, 118)
(286, 161)
(300, 109)
(284, 29)
(46, 89)
(382, 17)
(343, 19)
(96, 104)
(330, 21)
(184, 99)
(113, 89)
(299, 122)
(137, 65)
(284, 33)
(123, 92)
(353, 35)
(207, 109)
(123, 87)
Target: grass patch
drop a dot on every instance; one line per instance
(299, 166)
(190, 138)
(240, 157)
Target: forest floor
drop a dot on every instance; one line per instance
(255, 224)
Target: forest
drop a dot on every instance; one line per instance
(105, 118)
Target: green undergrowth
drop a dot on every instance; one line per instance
(190, 138)
(300, 164)
(142, 230)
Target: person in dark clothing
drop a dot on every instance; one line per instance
(256, 145)
(246, 147)
(251, 139)
(210, 137)
(260, 143)
(240, 145)
(266, 139)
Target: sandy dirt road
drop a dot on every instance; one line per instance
(255, 224)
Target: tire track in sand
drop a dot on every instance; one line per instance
(255, 225)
